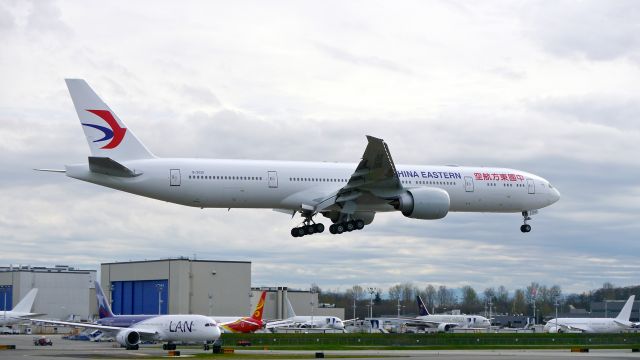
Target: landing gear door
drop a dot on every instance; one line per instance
(174, 177)
(531, 186)
(273, 179)
(468, 184)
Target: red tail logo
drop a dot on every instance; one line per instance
(115, 133)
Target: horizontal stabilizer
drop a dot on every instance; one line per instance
(108, 166)
(51, 170)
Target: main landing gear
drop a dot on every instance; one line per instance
(525, 228)
(309, 227)
(340, 227)
(168, 346)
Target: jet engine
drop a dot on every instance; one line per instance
(553, 330)
(423, 203)
(128, 338)
(444, 327)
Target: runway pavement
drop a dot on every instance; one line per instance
(68, 349)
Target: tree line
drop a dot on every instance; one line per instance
(401, 298)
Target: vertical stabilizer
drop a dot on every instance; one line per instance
(104, 309)
(257, 312)
(25, 305)
(289, 307)
(106, 134)
(625, 313)
(422, 309)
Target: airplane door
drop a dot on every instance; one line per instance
(468, 184)
(273, 179)
(174, 177)
(531, 186)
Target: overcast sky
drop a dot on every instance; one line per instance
(548, 87)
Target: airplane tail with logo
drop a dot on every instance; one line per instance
(422, 309)
(259, 310)
(625, 313)
(107, 135)
(104, 309)
(25, 305)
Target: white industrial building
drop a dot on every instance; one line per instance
(178, 286)
(63, 292)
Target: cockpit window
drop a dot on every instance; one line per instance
(550, 187)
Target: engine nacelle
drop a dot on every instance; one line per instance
(423, 203)
(553, 330)
(444, 327)
(128, 338)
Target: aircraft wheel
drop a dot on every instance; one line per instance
(332, 228)
(294, 233)
(164, 346)
(339, 228)
(359, 224)
(525, 228)
(309, 229)
(350, 226)
(319, 228)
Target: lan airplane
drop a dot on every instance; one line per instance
(349, 194)
(594, 325)
(21, 312)
(130, 330)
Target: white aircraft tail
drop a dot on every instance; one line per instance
(625, 313)
(107, 135)
(289, 307)
(25, 305)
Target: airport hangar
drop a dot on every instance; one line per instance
(167, 286)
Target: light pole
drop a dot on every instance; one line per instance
(490, 304)
(210, 303)
(311, 292)
(4, 290)
(371, 291)
(556, 305)
(160, 287)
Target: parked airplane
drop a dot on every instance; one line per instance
(247, 324)
(131, 330)
(348, 194)
(594, 325)
(300, 321)
(22, 311)
(445, 322)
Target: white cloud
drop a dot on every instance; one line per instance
(475, 84)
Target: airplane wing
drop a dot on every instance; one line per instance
(278, 323)
(374, 181)
(145, 334)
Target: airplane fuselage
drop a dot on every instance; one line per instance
(587, 325)
(213, 183)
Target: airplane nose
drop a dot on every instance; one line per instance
(555, 195)
(215, 332)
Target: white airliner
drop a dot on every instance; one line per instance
(594, 325)
(445, 322)
(21, 312)
(348, 194)
(165, 328)
(303, 321)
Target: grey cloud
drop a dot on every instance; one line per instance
(598, 30)
(7, 20)
(45, 17)
(373, 61)
(200, 95)
(618, 112)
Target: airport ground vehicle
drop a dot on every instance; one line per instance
(42, 341)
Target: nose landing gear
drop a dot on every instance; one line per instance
(526, 215)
